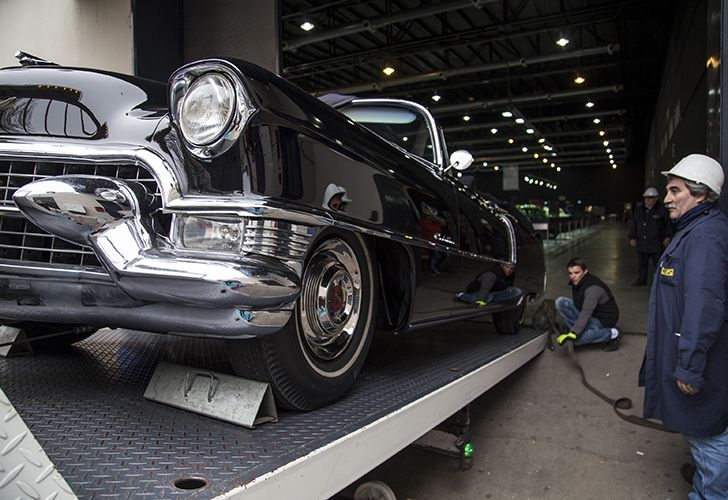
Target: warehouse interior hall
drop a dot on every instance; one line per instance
(253, 250)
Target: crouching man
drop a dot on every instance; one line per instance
(593, 313)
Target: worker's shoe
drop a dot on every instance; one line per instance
(687, 471)
(481, 303)
(613, 345)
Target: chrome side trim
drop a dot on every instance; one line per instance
(171, 185)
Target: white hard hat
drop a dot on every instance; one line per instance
(650, 192)
(699, 168)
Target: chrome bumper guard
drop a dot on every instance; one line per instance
(188, 295)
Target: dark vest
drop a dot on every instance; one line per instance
(607, 313)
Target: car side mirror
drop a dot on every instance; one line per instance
(460, 160)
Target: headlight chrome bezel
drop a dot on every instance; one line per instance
(243, 109)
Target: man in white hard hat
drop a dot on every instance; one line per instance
(649, 233)
(685, 369)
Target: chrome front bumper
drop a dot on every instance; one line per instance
(47, 294)
(151, 285)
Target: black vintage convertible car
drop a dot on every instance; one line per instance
(229, 203)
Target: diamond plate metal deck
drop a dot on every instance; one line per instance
(85, 407)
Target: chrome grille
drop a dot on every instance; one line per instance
(21, 240)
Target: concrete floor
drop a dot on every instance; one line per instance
(540, 434)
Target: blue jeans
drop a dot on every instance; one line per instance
(594, 333)
(710, 455)
(500, 296)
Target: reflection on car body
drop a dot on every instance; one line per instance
(231, 204)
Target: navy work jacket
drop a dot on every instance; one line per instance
(687, 332)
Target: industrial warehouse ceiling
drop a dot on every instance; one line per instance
(507, 73)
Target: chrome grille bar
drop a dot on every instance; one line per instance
(276, 239)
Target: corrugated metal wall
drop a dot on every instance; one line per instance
(247, 29)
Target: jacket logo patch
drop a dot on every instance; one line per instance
(667, 271)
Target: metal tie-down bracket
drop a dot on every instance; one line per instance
(217, 395)
(14, 342)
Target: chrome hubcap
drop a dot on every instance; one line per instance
(330, 299)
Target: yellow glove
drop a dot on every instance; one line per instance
(564, 337)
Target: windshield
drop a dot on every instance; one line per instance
(402, 126)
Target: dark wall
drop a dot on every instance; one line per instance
(169, 33)
(247, 29)
(157, 37)
(680, 124)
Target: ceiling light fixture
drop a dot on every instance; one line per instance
(307, 26)
(606, 143)
(524, 149)
(579, 79)
(558, 169)
(614, 166)
(510, 140)
(589, 104)
(608, 150)
(544, 160)
(466, 118)
(552, 165)
(535, 155)
(530, 131)
(494, 130)
(436, 97)
(597, 121)
(485, 163)
(562, 42)
(601, 133)
(506, 114)
(496, 168)
(520, 120)
(388, 70)
(541, 140)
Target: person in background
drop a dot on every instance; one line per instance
(335, 198)
(491, 286)
(685, 368)
(592, 314)
(649, 232)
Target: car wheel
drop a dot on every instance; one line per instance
(509, 322)
(317, 356)
(33, 329)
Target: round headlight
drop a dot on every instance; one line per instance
(207, 109)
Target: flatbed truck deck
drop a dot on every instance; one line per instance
(85, 408)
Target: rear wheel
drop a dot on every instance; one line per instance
(316, 357)
(509, 322)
